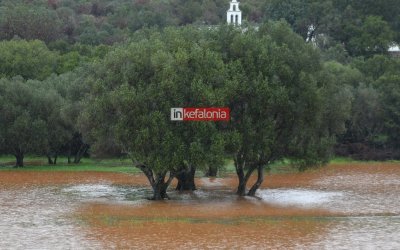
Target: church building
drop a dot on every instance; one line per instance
(234, 14)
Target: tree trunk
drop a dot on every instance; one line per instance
(242, 177)
(239, 166)
(241, 190)
(19, 156)
(160, 186)
(157, 182)
(49, 160)
(260, 179)
(186, 180)
(69, 154)
(159, 191)
(82, 150)
(212, 172)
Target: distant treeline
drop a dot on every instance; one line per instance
(361, 26)
(51, 53)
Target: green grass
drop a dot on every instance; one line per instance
(124, 165)
(285, 166)
(344, 160)
(278, 167)
(34, 163)
(76, 168)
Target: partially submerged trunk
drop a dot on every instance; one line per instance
(186, 180)
(241, 190)
(160, 188)
(260, 179)
(157, 181)
(240, 165)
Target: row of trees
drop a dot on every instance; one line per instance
(358, 27)
(39, 117)
(106, 22)
(289, 99)
(280, 94)
(373, 130)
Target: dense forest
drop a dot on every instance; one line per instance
(305, 79)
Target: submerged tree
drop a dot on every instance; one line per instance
(270, 78)
(278, 104)
(133, 91)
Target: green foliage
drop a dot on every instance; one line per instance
(87, 165)
(367, 114)
(301, 14)
(389, 86)
(135, 87)
(279, 107)
(29, 117)
(373, 123)
(374, 36)
(363, 27)
(29, 22)
(96, 62)
(375, 67)
(31, 60)
(34, 60)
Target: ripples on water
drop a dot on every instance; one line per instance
(298, 197)
(365, 193)
(37, 218)
(40, 217)
(364, 232)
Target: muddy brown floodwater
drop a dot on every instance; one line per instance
(342, 206)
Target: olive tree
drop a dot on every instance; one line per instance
(133, 91)
(278, 102)
(29, 22)
(29, 59)
(29, 118)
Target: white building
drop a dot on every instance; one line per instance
(394, 50)
(234, 14)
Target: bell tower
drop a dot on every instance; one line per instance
(234, 14)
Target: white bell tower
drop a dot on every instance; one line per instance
(234, 14)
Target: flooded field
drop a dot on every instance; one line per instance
(338, 207)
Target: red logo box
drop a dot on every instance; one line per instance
(200, 114)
